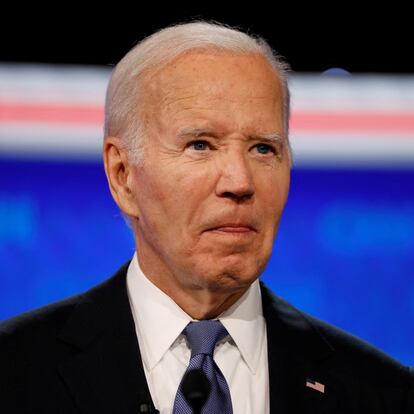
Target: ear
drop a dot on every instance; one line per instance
(120, 175)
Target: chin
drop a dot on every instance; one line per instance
(232, 272)
(234, 277)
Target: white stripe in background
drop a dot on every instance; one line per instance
(57, 111)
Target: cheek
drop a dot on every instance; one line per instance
(153, 186)
(283, 180)
(275, 195)
(169, 197)
(275, 188)
(150, 195)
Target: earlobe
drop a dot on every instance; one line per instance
(118, 171)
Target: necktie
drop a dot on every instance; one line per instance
(203, 337)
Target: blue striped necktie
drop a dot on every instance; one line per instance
(203, 337)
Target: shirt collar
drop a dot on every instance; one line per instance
(160, 320)
(246, 325)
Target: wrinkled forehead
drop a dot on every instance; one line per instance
(201, 76)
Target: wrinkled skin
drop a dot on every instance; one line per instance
(207, 200)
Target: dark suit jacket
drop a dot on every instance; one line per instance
(81, 355)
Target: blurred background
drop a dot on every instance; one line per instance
(345, 249)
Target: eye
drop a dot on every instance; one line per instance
(264, 149)
(199, 145)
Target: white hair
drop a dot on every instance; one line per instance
(123, 98)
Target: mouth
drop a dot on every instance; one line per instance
(233, 228)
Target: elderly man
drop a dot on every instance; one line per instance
(197, 158)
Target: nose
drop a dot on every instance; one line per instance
(235, 180)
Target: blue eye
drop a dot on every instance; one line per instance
(199, 145)
(264, 148)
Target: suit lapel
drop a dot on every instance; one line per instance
(295, 350)
(105, 374)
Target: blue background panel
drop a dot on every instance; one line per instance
(344, 252)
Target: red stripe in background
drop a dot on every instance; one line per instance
(52, 113)
(380, 122)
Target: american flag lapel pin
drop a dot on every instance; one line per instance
(315, 385)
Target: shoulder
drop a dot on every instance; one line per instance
(36, 345)
(366, 370)
(29, 350)
(359, 357)
(37, 322)
(350, 356)
(35, 326)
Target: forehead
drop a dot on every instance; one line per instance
(213, 78)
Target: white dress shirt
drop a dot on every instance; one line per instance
(241, 357)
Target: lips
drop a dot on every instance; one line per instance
(233, 228)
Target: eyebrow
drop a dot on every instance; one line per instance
(273, 137)
(195, 132)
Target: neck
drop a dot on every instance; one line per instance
(199, 302)
(202, 305)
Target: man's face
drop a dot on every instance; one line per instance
(215, 176)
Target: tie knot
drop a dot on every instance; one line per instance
(204, 335)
